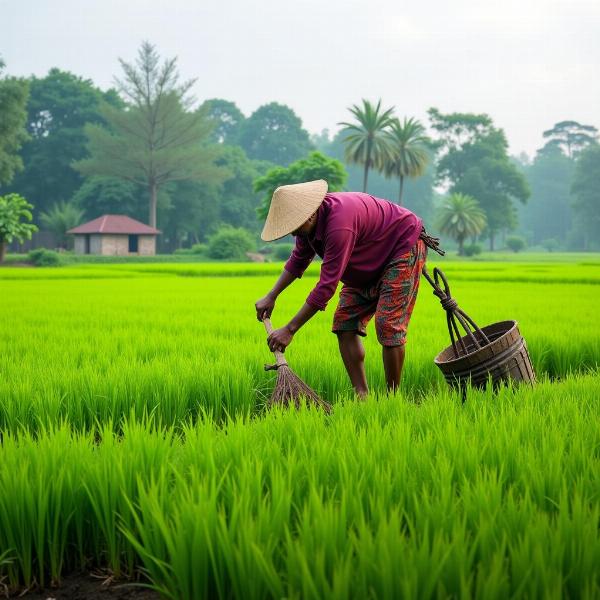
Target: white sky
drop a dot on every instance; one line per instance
(526, 63)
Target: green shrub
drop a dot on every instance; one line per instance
(472, 249)
(282, 251)
(515, 243)
(230, 243)
(550, 244)
(42, 257)
(196, 249)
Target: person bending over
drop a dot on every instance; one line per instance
(376, 248)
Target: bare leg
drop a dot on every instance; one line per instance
(393, 361)
(353, 355)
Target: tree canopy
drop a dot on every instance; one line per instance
(571, 136)
(314, 166)
(460, 216)
(586, 195)
(273, 132)
(59, 106)
(227, 120)
(366, 139)
(409, 151)
(157, 139)
(474, 161)
(13, 115)
(547, 215)
(142, 149)
(15, 212)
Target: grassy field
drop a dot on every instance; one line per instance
(134, 436)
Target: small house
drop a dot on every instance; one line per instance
(115, 235)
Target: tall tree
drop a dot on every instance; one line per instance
(227, 119)
(157, 139)
(273, 132)
(460, 217)
(571, 136)
(367, 142)
(547, 214)
(474, 161)
(13, 115)
(408, 153)
(456, 132)
(418, 194)
(59, 106)
(586, 195)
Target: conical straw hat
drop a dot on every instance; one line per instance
(291, 206)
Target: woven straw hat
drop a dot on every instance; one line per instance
(291, 206)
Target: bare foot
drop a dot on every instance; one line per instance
(361, 394)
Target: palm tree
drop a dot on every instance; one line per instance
(460, 216)
(408, 151)
(60, 218)
(367, 142)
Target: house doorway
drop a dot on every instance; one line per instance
(133, 243)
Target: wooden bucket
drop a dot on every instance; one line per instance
(505, 357)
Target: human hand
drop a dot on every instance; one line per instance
(264, 307)
(279, 339)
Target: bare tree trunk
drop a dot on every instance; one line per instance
(367, 165)
(401, 188)
(153, 196)
(491, 240)
(2, 249)
(461, 246)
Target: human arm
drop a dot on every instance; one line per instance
(338, 249)
(282, 337)
(300, 258)
(264, 306)
(339, 246)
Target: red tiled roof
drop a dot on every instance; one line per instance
(115, 224)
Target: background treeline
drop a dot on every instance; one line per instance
(76, 152)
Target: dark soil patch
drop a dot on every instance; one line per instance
(87, 587)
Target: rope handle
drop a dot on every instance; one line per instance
(279, 357)
(453, 313)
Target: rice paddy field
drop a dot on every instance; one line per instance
(135, 440)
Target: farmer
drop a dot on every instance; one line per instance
(376, 248)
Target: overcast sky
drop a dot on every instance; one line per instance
(526, 63)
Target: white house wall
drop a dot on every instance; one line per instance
(116, 245)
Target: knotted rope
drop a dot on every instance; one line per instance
(431, 242)
(453, 313)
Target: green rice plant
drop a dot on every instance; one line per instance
(134, 434)
(94, 349)
(445, 522)
(38, 500)
(141, 453)
(383, 498)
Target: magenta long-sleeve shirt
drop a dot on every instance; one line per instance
(356, 235)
